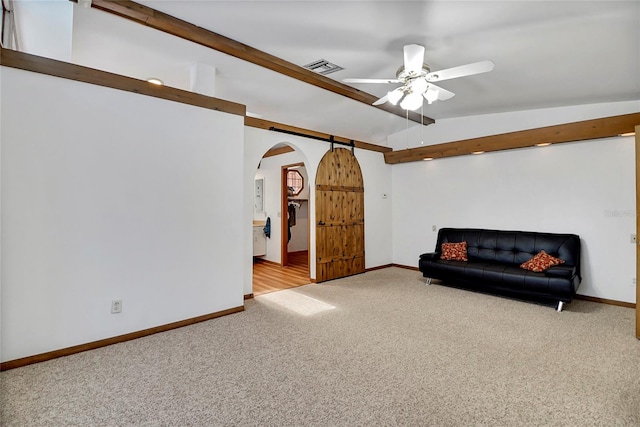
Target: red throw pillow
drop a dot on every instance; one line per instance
(541, 262)
(454, 251)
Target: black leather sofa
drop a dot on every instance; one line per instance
(494, 259)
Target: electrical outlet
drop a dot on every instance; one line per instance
(633, 238)
(116, 306)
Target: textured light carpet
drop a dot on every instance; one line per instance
(379, 348)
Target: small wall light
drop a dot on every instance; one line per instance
(478, 152)
(155, 81)
(426, 159)
(543, 144)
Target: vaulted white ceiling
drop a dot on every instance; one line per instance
(546, 54)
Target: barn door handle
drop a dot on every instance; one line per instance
(321, 223)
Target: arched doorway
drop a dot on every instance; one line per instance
(339, 216)
(284, 261)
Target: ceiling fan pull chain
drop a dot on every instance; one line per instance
(407, 129)
(422, 124)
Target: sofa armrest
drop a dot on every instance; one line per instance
(431, 256)
(565, 271)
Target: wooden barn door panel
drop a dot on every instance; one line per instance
(355, 212)
(329, 207)
(339, 216)
(330, 238)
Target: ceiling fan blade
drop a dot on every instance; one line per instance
(461, 71)
(443, 94)
(371, 81)
(413, 58)
(381, 100)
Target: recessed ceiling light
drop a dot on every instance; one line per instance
(478, 152)
(155, 81)
(543, 144)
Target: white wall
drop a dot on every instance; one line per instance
(377, 181)
(111, 195)
(45, 27)
(586, 188)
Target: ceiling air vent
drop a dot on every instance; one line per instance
(324, 67)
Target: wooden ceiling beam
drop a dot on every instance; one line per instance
(65, 70)
(569, 132)
(187, 31)
(277, 151)
(268, 125)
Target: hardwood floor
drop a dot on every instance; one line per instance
(269, 276)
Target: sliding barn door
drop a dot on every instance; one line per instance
(339, 216)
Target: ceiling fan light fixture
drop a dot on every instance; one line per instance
(431, 95)
(394, 96)
(419, 85)
(412, 101)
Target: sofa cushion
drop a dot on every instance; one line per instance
(454, 251)
(541, 262)
(497, 276)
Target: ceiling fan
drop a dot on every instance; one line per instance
(417, 80)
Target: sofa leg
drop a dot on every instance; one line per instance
(560, 304)
(428, 281)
